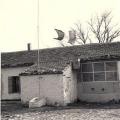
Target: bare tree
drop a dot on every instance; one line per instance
(81, 35)
(100, 26)
(103, 29)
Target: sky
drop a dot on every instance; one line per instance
(18, 20)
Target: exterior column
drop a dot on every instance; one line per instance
(118, 66)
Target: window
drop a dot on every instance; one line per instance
(111, 71)
(99, 76)
(87, 77)
(86, 74)
(98, 67)
(87, 67)
(13, 84)
(111, 66)
(99, 71)
(111, 76)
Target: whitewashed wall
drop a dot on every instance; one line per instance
(118, 66)
(52, 88)
(5, 73)
(56, 88)
(29, 87)
(43, 86)
(111, 90)
(70, 85)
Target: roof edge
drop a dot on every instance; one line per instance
(88, 44)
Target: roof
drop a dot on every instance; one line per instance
(84, 52)
(46, 68)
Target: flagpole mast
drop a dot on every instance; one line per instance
(38, 32)
(38, 44)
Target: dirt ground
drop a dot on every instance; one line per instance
(72, 112)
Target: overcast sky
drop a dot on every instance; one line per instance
(18, 20)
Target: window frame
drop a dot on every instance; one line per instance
(105, 71)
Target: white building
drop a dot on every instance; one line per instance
(86, 72)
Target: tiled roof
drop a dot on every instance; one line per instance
(46, 68)
(88, 51)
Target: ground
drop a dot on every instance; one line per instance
(72, 112)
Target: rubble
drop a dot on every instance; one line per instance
(73, 113)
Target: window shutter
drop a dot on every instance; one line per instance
(9, 84)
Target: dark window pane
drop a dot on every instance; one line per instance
(99, 76)
(13, 84)
(14, 87)
(87, 67)
(9, 84)
(99, 67)
(111, 66)
(87, 77)
(111, 76)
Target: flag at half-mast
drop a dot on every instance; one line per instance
(60, 33)
(72, 37)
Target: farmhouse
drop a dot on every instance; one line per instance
(88, 72)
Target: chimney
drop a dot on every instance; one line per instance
(72, 36)
(28, 46)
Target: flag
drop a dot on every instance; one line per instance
(60, 33)
(72, 36)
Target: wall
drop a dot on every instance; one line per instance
(29, 87)
(70, 85)
(104, 91)
(57, 88)
(111, 91)
(43, 86)
(5, 72)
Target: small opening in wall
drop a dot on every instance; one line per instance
(92, 89)
(68, 77)
(103, 89)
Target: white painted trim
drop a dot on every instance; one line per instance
(100, 81)
(99, 61)
(99, 71)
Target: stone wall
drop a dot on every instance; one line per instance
(70, 85)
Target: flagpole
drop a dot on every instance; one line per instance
(38, 44)
(38, 33)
